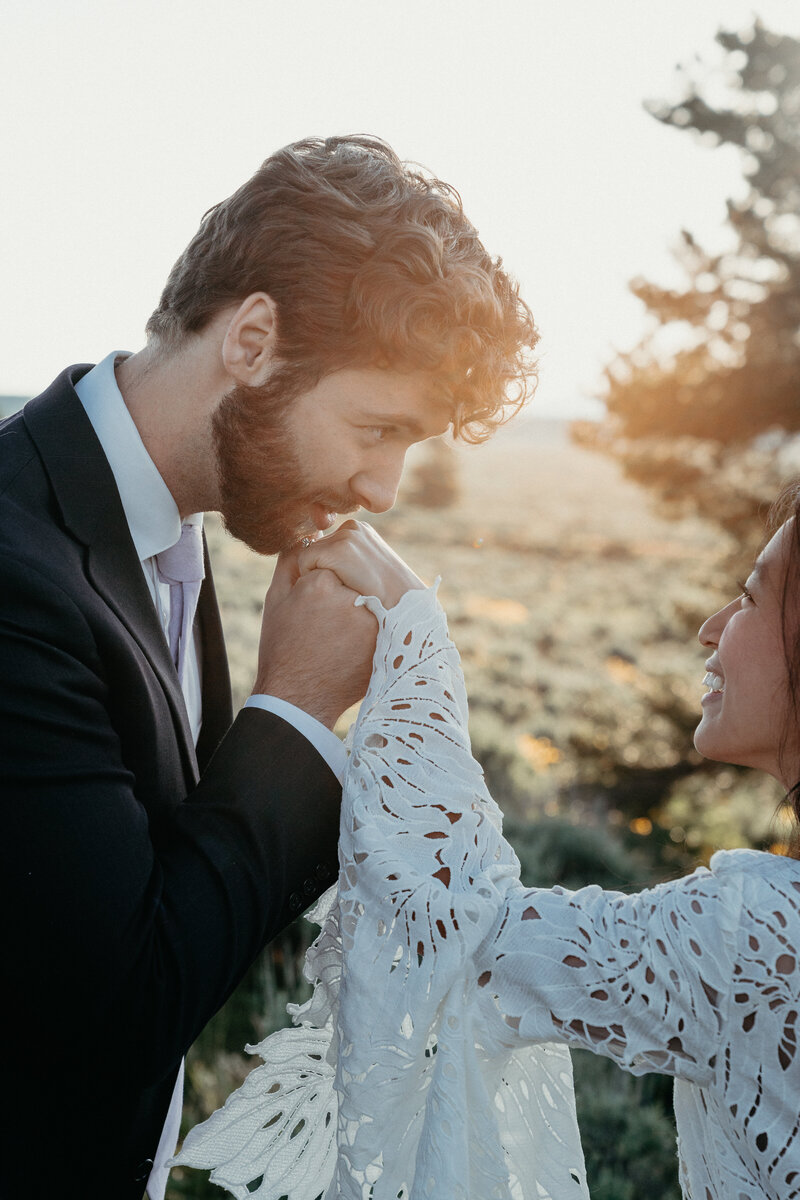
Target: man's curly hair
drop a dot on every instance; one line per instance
(370, 262)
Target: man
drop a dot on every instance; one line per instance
(335, 309)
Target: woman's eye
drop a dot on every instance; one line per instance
(745, 594)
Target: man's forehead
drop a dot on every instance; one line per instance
(414, 405)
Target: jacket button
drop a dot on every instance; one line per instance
(310, 887)
(143, 1171)
(322, 872)
(295, 903)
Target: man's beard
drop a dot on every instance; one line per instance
(265, 496)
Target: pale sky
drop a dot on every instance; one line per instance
(121, 121)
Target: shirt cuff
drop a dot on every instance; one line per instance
(324, 740)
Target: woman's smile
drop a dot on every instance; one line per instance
(746, 707)
(713, 680)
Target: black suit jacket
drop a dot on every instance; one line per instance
(137, 886)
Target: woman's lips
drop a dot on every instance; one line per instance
(714, 682)
(716, 688)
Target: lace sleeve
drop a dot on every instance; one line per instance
(394, 1086)
(644, 979)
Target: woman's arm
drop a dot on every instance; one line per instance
(644, 979)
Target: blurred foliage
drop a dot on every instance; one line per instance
(687, 423)
(433, 482)
(569, 600)
(217, 1063)
(557, 851)
(743, 808)
(574, 604)
(627, 1125)
(708, 428)
(627, 1131)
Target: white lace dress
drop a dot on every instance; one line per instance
(426, 1064)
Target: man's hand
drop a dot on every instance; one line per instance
(362, 561)
(316, 647)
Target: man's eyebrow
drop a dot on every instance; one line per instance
(400, 420)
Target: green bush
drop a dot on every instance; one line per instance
(627, 1131)
(559, 852)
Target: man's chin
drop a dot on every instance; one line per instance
(263, 537)
(274, 530)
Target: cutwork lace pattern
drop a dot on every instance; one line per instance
(390, 1088)
(405, 1081)
(698, 979)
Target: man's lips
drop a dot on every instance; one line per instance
(322, 518)
(324, 513)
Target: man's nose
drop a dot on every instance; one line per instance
(376, 490)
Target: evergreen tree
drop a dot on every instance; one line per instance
(681, 422)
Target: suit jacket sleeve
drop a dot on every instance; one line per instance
(125, 925)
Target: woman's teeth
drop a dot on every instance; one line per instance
(715, 683)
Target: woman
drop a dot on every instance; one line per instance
(448, 991)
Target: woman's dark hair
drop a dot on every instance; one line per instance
(785, 507)
(370, 261)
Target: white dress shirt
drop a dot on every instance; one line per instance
(155, 525)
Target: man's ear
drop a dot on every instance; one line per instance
(250, 342)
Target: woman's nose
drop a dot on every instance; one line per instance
(711, 629)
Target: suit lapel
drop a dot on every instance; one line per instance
(84, 486)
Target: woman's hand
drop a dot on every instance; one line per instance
(362, 561)
(316, 647)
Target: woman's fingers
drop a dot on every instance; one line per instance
(362, 560)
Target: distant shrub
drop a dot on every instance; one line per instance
(627, 1130)
(724, 807)
(559, 852)
(627, 1124)
(434, 482)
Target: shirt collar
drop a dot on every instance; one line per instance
(151, 512)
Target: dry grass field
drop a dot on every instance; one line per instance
(575, 607)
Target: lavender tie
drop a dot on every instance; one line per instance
(181, 566)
